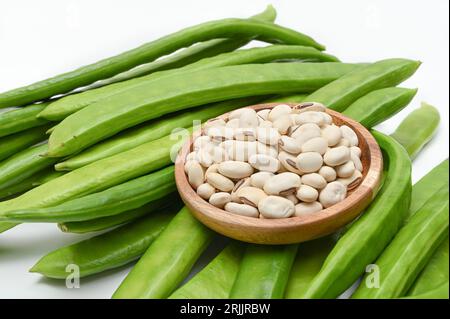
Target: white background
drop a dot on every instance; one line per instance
(39, 39)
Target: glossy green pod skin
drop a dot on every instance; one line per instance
(375, 228)
(435, 273)
(425, 121)
(352, 86)
(407, 254)
(18, 120)
(112, 201)
(226, 28)
(440, 292)
(173, 93)
(260, 277)
(11, 144)
(379, 105)
(294, 98)
(23, 165)
(191, 54)
(168, 260)
(4, 226)
(216, 279)
(110, 250)
(151, 131)
(73, 103)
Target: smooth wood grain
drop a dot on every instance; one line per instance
(292, 229)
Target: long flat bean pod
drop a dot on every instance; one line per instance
(425, 121)
(352, 86)
(102, 223)
(440, 292)
(409, 251)
(379, 105)
(106, 251)
(216, 279)
(172, 93)
(4, 226)
(260, 277)
(191, 54)
(226, 28)
(168, 260)
(151, 131)
(73, 103)
(21, 119)
(435, 273)
(11, 144)
(295, 98)
(369, 234)
(112, 201)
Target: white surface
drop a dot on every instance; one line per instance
(39, 39)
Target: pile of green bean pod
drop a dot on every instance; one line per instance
(73, 103)
(11, 144)
(18, 120)
(173, 93)
(440, 292)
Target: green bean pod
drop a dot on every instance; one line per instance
(435, 273)
(24, 164)
(379, 105)
(150, 131)
(260, 277)
(425, 121)
(374, 229)
(409, 251)
(352, 86)
(18, 120)
(4, 226)
(294, 98)
(168, 260)
(73, 103)
(173, 93)
(226, 28)
(10, 145)
(106, 251)
(216, 279)
(440, 292)
(112, 201)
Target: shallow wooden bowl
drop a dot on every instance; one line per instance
(292, 229)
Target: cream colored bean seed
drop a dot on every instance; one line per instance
(214, 168)
(264, 114)
(309, 162)
(195, 174)
(303, 209)
(248, 118)
(188, 164)
(337, 156)
(345, 170)
(265, 124)
(267, 149)
(332, 134)
(333, 193)
(245, 134)
(309, 106)
(191, 156)
(328, 173)
(305, 132)
(251, 195)
(282, 123)
(350, 135)
(201, 141)
(220, 199)
(307, 193)
(205, 158)
(239, 184)
(242, 209)
(351, 181)
(282, 184)
(356, 161)
(292, 198)
(219, 155)
(239, 150)
(236, 114)
(220, 133)
(267, 135)
(289, 144)
(278, 111)
(327, 119)
(260, 178)
(314, 180)
(234, 123)
(316, 144)
(276, 207)
(264, 163)
(205, 191)
(310, 117)
(214, 122)
(289, 162)
(220, 182)
(343, 142)
(282, 169)
(235, 169)
(356, 150)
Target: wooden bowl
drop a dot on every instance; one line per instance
(292, 229)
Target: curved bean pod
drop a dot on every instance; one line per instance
(379, 105)
(226, 28)
(168, 260)
(174, 93)
(21, 119)
(424, 122)
(352, 86)
(106, 251)
(14, 143)
(409, 251)
(440, 292)
(374, 229)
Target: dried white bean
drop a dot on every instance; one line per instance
(260, 178)
(309, 162)
(292, 198)
(345, 170)
(236, 114)
(314, 180)
(242, 209)
(267, 135)
(248, 118)
(307, 193)
(220, 133)
(191, 156)
(349, 134)
(356, 160)
(265, 124)
(245, 134)
(332, 134)
(264, 163)
(289, 144)
(352, 181)
(220, 182)
(205, 158)
(356, 150)
(264, 114)
(282, 184)
(310, 117)
(195, 174)
(235, 169)
(214, 122)
(305, 132)
(188, 164)
(327, 118)
(267, 149)
(251, 195)
(201, 141)
(316, 144)
(337, 156)
(309, 106)
(234, 123)
(205, 191)
(289, 162)
(214, 168)
(239, 150)
(220, 199)
(282, 123)
(303, 209)
(278, 111)
(218, 154)
(328, 173)
(276, 207)
(239, 184)
(343, 142)
(333, 193)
